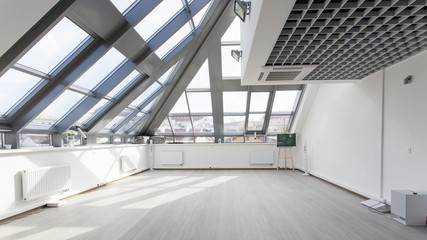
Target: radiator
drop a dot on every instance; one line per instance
(43, 181)
(171, 158)
(128, 163)
(261, 157)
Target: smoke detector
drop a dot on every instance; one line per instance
(284, 74)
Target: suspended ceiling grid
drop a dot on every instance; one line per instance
(350, 39)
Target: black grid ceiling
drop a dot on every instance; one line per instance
(350, 39)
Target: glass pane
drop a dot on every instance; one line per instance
(14, 86)
(277, 124)
(165, 127)
(233, 139)
(174, 40)
(200, 102)
(75, 140)
(205, 139)
(169, 140)
(234, 123)
(122, 5)
(181, 125)
(146, 94)
(203, 124)
(92, 112)
(117, 140)
(284, 101)
(56, 110)
(35, 140)
(256, 121)
(230, 67)
(200, 15)
(101, 69)
(123, 84)
(165, 77)
(255, 140)
(131, 122)
(201, 79)
(271, 139)
(233, 32)
(117, 120)
(184, 139)
(102, 140)
(234, 102)
(259, 101)
(54, 46)
(180, 105)
(158, 17)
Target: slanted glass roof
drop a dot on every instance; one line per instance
(56, 110)
(92, 112)
(180, 105)
(173, 41)
(233, 32)
(201, 14)
(123, 5)
(14, 86)
(201, 80)
(158, 17)
(101, 69)
(54, 47)
(199, 102)
(146, 94)
(123, 84)
(113, 123)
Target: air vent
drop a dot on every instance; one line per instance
(284, 74)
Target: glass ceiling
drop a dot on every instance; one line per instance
(123, 5)
(174, 40)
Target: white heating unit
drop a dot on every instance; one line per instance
(47, 180)
(261, 157)
(128, 163)
(171, 158)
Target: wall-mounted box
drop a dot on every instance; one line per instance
(410, 208)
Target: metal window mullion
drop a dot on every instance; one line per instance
(189, 111)
(248, 102)
(187, 7)
(170, 124)
(268, 112)
(31, 71)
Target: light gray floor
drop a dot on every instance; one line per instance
(222, 204)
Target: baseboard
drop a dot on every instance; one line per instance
(224, 169)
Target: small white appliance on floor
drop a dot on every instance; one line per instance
(409, 207)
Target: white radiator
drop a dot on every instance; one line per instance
(171, 158)
(43, 181)
(261, 157)
(128, 163)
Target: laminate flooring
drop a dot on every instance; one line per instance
(212, 204)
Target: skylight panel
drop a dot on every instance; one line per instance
(56, 110)
(173, 41)
(181, 125)
(259, 101)
(234, 124)
(230, 67)
(278, 123)
(233, 32)
(116, 121)
(131, 122)
(157, 18)
(180, 106)
(101, 69)
(54, 47)
(164, 128)
(284, 101)
(92, 112)
(166, 76)
(203, 125)
(255, 122)
(234, 102)
(121, 86)
(122, 5)
(199, 102)
(197, 19)
(201, 79)
(14, 86)
(146, 94)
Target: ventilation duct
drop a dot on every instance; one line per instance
(284, 74)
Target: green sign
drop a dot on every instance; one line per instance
(287, 140)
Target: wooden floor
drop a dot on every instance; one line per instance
(212, 204)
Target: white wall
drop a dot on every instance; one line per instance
(90, 166)
(216, 155)
(343, 135)
(343, 131)
(405, 125)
